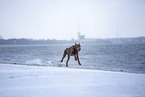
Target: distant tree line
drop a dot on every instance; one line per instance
(23, 41)
(31, 41)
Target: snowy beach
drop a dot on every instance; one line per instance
(45, 81)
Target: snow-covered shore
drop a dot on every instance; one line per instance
(39, 81)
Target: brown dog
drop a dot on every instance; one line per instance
(72, 51)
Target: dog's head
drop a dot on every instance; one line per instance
(78, 46)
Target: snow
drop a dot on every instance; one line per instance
(44, 81)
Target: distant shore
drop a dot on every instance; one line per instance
(23, 41)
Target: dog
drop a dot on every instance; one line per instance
(72, 51)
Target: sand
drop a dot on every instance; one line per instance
(44, 81)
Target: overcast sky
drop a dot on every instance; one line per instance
(58, 19)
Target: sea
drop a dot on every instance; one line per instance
(109, 57)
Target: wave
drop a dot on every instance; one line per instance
(37, 62)
(34, 61)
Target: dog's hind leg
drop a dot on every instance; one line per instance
(64, 54)
(67, 61)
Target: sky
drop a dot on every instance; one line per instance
(59, 19)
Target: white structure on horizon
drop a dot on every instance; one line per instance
(80, 37)
(1, 37)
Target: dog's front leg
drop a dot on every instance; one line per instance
(67, 61)
(78, 59)
(75, 57)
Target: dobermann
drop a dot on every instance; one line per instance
(72, 51)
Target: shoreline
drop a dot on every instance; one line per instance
(121, 71)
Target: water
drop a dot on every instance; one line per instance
(112, 57)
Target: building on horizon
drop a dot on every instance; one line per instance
(1, 37)
(80, 37)
(83, 39)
